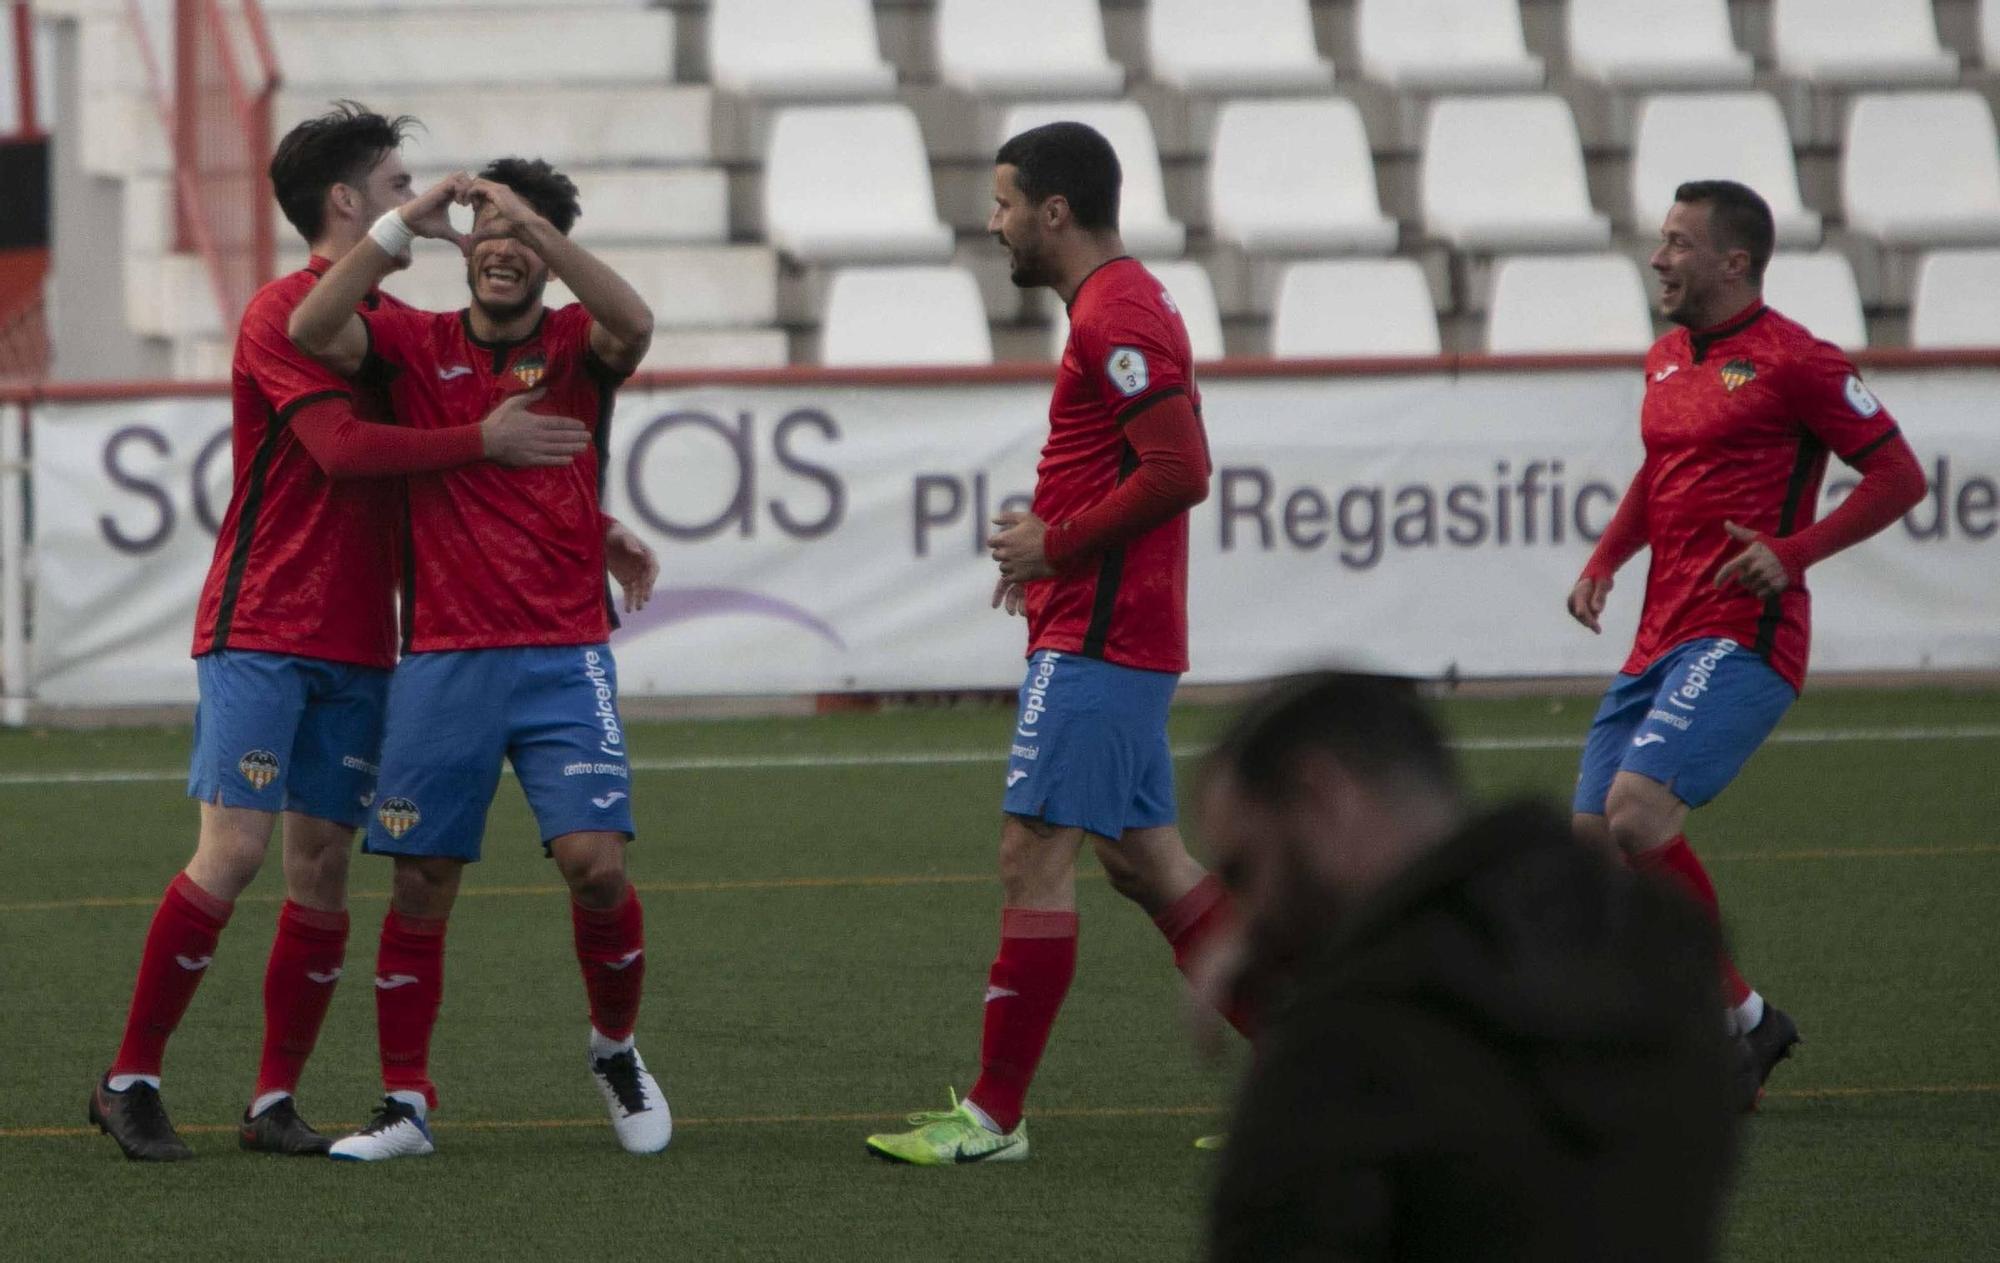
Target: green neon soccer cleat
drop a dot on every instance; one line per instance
(951, 1138)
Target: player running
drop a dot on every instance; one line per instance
(1100, 566)
(505, 623)
(294, 638)
(1742, 406)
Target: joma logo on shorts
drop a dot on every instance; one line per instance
(1038, 694)
(1698, 675)
(607, 712)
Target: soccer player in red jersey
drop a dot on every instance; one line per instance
(505, 625)
(1100, 567)
(294, 638)
(1742, 408)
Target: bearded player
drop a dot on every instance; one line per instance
(1100, 567)
(1742, 407)
(506, 623)
(294, 637)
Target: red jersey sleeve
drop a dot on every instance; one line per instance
(1827, 395)
(288, 378)
(1132, 353)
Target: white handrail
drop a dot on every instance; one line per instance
(13, 566)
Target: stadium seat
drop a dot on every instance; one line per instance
(1675, 142)
(1819, 292)
(783, 49)
(1504, 173)
(1860, 41)
(350, 51)
(1445, 44)
(1559, 303)
(822, 206)
(1989, 34)
(1143, 220)
(1295, 176)
(1192, 292)
(1025, 48)
(573, 125)
(1244, 46)
(1957, 300)
(1921, 168)
(904, 315)
(1353, 307)
(1624, 44)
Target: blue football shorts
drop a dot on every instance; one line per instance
(278, 732)
(1090, 746)
(454, 717)
(1690, 721)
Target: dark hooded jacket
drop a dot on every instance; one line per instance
(1512, 1050)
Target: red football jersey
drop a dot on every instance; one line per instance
(1737, 424)
(304, 564)
(497, 556)
(1128, 350)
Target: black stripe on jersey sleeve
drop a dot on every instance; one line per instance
(1138, 406)
(1810, 450)
(253, 505)
(1110, 574)
(1863, 454)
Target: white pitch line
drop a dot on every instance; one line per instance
(946, 758)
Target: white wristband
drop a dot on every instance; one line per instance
(393, 234)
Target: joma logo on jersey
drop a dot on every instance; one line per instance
(399, 816)
(529, 369)
(259, 767)
(1737, 373)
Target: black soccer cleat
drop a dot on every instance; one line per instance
(1763, 1046)
(137, 1119)
(280, 1130)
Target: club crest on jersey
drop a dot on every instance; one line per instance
(1127, 370)
(399, 816)
(1737, 373)
(259, 767)
(529, 369)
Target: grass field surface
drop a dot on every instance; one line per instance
(821, 910)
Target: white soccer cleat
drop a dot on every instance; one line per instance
(638, 1108)
(396, 1131)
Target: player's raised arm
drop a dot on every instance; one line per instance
(324, 325)
(622, 323)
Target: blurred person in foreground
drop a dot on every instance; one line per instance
(1481, 1040)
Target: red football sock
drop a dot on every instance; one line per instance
(611, 949)
(298, 985)
(1676, 861)
(1191, 923)
(409, 987)
(179, 946)
(1024, 991)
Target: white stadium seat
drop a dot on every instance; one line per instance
(1353, 307)
(1921, 168)
(1025, 48)
(1860, 41)
(1557, 303)
(822, 205)
(1819, 292)
(1187, 283)
(1989, 33)
(1445, 44)
(1148, 230)
(1625, 44)
(929, 316)
(1295, 175)
(1957, 302)
(785, 49)
(1243, 46)
(1505, 173)
(1676, 142)
(340, 53)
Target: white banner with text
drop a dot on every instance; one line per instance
(821, 538)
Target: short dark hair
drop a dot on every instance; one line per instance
(549, 191)
(1375, 726)
(1738, 219)
(341, 146)
(1070, 159)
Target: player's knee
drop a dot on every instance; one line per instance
(1036, 864)
(425, 887)
(230, 851)
(1127, 871)
(1640, 817)
(594, 871)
